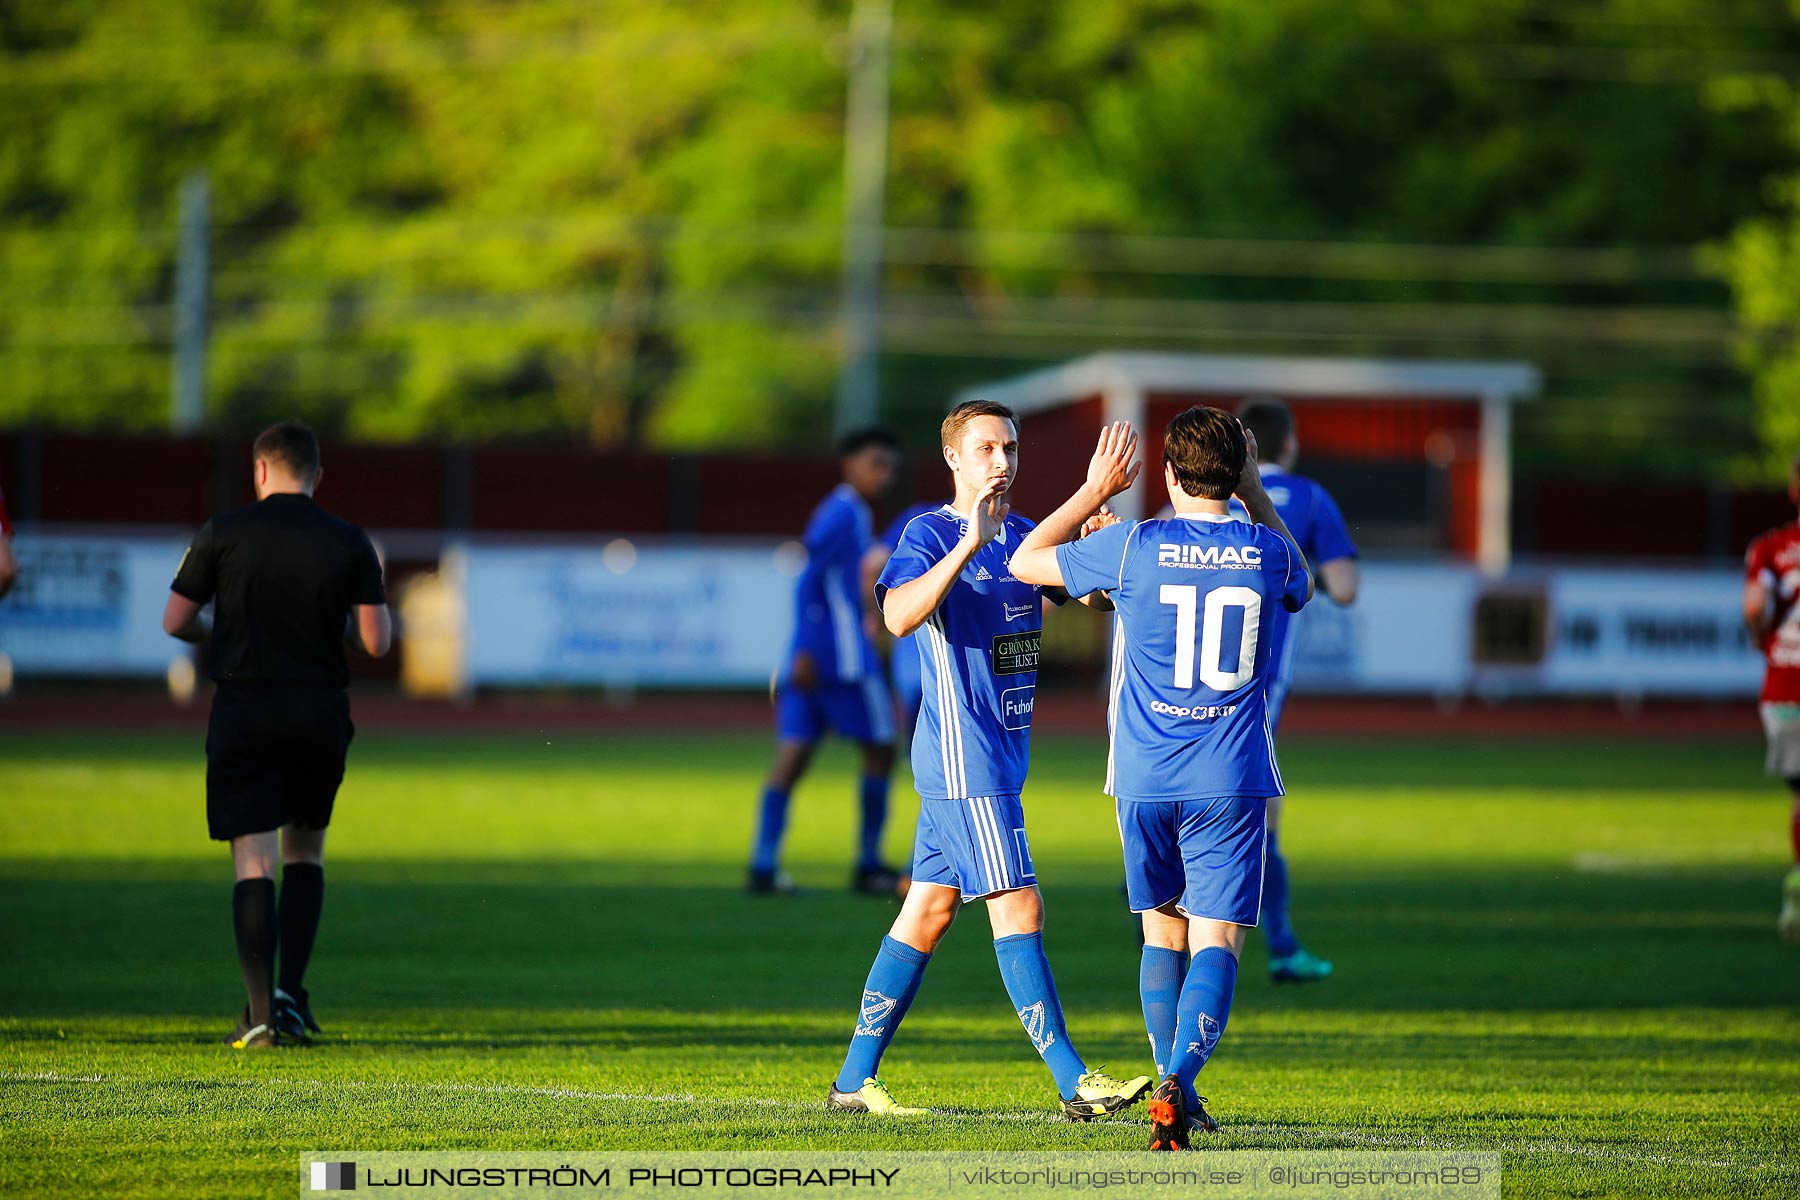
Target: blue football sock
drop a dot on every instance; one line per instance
(1159, 987)
(873, 792)
(771, 823)
(1027, 975)
(1274, 920)
(893, 982)
(1200, 1019)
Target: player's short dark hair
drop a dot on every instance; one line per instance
(960, 416)
(858, 440)
(1206, 447)
(292, 444)
(1271, 422)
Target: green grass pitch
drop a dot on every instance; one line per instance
(1564, 952)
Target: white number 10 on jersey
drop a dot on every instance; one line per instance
(1185, 598)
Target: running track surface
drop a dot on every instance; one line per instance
(41, 708)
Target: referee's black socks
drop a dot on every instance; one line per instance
(302, 896)
(253, 916)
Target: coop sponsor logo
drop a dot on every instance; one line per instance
(1201, 712)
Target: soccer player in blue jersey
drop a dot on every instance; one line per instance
(831, 676)
(950, 584)
(1312, 517)
(1192, 758)
(904, 669)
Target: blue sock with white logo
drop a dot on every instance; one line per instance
(1027, 974)
(1159, 987)
(873, 793)
(1278, 931)
(1200, 1019)
(771, 823)
(893, 982)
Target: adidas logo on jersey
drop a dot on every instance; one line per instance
(981, 573)
(1196, 557)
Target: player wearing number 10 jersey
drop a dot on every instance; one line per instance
(1772, 612)
(1192, 759)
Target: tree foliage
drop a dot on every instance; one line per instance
(620, 222)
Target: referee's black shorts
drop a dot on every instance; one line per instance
(274, 756)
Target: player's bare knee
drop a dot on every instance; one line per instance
(1225, 935)
(1165, 928)
(925, 916)
(877, 758)
(1020, 910)
(253, 856)
(789, 765)
(300, 844)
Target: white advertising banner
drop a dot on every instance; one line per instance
(90, 605)
(1650, 632)
(689, 614)
(1612, 631)
(624, 614)
(1409, 632)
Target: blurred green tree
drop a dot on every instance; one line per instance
(1762, 260)
(619, 222)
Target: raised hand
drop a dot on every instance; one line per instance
(1250, 478)
(1112, 470)
(989, 512)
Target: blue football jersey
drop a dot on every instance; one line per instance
(979, 652)
(1195, 596)
(1312, 516)
(906, 650)
(828, 612)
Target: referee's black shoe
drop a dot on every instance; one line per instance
(248, 1036)
(293, 1017)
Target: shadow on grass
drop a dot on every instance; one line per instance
(1441, 766)
(573, 942)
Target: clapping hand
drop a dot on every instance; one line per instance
(1099, 521)
(1112, 470)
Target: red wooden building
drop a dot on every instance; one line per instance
(1418, 452)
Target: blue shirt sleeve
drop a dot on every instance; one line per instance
(1095, 562)
(921, 548)
(890, 537)
(1330, 537)
(831, 531)
(1283, 573)
(830, 536)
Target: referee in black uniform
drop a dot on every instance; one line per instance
(289, 584)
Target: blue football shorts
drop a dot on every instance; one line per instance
(861, 711)
(1207, 855)
(976, 846)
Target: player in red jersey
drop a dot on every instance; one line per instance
(9, 565)
(1772, 612)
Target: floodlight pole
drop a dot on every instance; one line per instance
(187, 407)
(865, 183)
